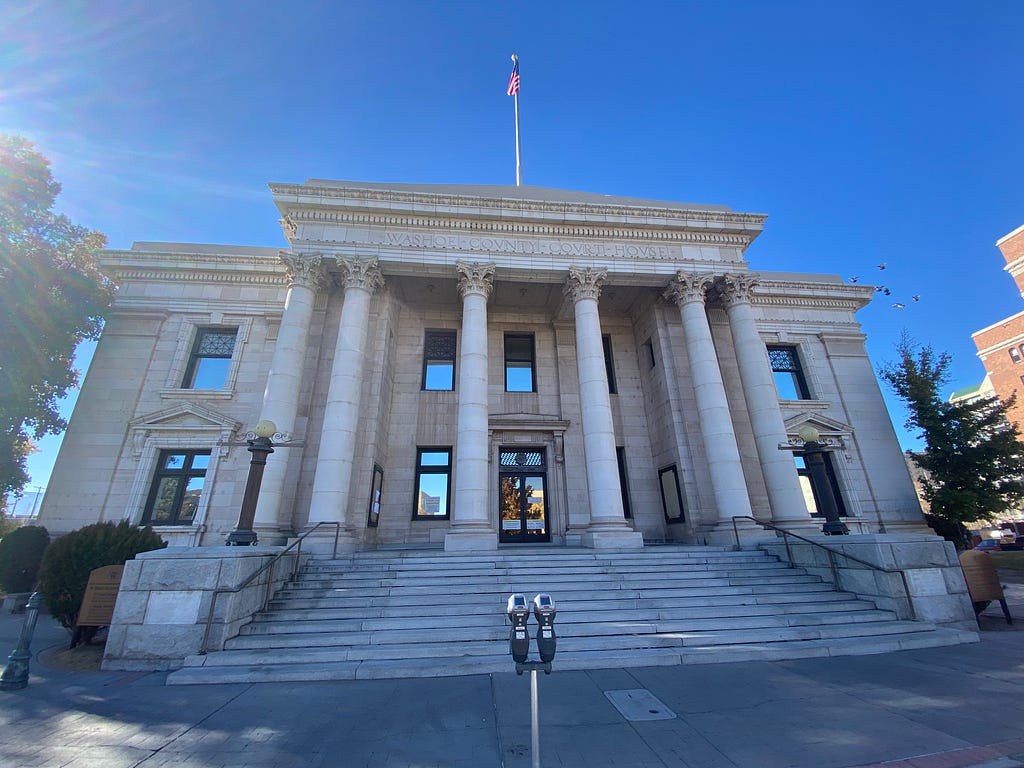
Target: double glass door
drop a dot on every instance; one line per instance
(522, 504)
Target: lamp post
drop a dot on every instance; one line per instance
(814, 458)
(260, 447)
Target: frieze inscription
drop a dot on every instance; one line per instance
(528, 247)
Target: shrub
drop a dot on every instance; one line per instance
(21, 551)
(70, 559)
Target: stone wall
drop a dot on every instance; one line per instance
(165, 596)
(934, 579)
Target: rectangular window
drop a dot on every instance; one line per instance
(609, 367)
(376, 485)
(811, 493)
(789, 377)
(620, 454)
(671, 498)
(439, 360)
(1015, 355)
(519, 354)
(433, 483)
(177, 486)
(211, 358)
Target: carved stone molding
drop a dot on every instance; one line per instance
(737, 288)
(475, 278)
(688, 287)
(585, 283)
(360, 273)
(305, 270)
(289, 226)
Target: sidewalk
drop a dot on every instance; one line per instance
(937, 708)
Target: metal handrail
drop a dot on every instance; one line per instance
(831, 556)
(270, 577)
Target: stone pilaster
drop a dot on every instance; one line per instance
(470, 528)
(284, 384)
(333, 475)
(728, 486)
(608, 527)
(759, 391)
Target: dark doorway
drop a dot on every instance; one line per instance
(522, 498)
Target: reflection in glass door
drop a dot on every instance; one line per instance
(522, 502)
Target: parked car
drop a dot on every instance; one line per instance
(990, 545)
(1014, 546)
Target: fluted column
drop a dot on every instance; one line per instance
(780, 476)
(333, 476)
(727, 483)
(608, 527)
(470, 528)
(284, 382)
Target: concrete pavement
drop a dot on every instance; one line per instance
(948, 707)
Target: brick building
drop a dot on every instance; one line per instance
(1001, 345)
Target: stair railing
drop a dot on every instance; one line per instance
(268, 566)
(831, 556)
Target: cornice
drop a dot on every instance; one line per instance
(180, 275)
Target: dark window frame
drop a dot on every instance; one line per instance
(532, 359)
(376, 490)
(609, 363)
(194, 357)
(186, 473)
(679, 494)
(830, 472)
(430, 359)
(795, 370)
(620, 455)
(432, 469)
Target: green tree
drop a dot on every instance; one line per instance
(972, 458)
(52, 296)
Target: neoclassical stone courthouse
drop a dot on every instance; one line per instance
(477, 366)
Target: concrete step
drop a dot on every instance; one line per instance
(256, 670)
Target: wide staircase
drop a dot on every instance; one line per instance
(426, 613)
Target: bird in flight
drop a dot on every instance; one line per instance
(882, 265)
(898, 305)
(855, 278)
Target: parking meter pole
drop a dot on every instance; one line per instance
(15, 674)
(534, 720)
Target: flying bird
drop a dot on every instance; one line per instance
(882, 265)
(897, 305)
(855, 278)
(916, 298)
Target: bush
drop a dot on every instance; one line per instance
(21, 551)
(70, 559)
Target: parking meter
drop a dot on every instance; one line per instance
(544, 610)
(519, 637)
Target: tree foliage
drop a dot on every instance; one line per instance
(973, 458)
(21, 552)
(64, 573)
(51, 297)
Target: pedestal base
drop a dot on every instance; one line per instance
(613, 539)
(469, 541)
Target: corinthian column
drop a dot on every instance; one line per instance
(284, 384)
(333, 476)
(727, 483)
(608, 527)
(780, 476)
(469, 525)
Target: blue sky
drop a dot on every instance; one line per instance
(869, 132)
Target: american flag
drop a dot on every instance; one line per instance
(513, 80)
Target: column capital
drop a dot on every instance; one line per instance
(305, 269)
(738, 287)
(585, 283)
(688, 287)
(360, 273)
(475, 278)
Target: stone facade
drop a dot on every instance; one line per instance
(528, 299)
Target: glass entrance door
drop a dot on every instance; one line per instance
(522, 503)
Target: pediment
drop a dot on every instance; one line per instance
(825, 426)
(186, 417)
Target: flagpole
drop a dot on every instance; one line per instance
(519, 166)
